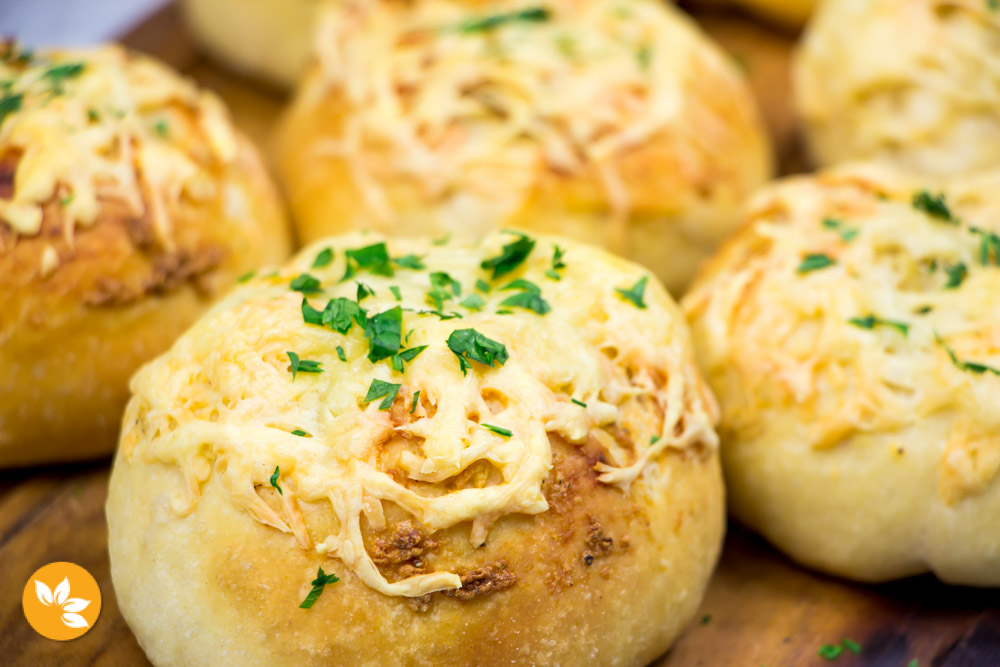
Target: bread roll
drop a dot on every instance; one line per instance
(914, 84)
(786, 13)
(268, 39)
(622, 126)
(850, 332)
(498, 466)
(127, 201)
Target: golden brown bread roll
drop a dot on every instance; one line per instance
(127, 200)
(914, 84)
(498, 466)
(622, 126)
(787, 13)
(852, 335)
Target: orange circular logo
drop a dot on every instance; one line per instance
(61, 601)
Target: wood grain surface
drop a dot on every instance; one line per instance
(760, 609)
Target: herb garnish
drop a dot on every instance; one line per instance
(494, 21)
(341, 313)
(379, 389)
(246, 276)
(989, 246)
(374, 258)
(530, 297)
(384, 332)
(409, 262)
(340, 353)
(398, 361)
(310, 315)
(473, 302)
(706, 619)
(956, 275)
(635, 292)
(557, 263)
(830, 651)
(59, 74)
(482, 286)
(10, 104)
(299, 432)
(580, 403)
(162, 128)
(644, 56)
(498, 430)
(511, 256)
(968, 366)
(441, 282)
(321, 580)
(323, 258)
(851, 645)
(470, 345)
(277, 473)
(871, 321)
(933, 205)
(364, 291)
(846, 234)
(305, 284)
(815, 262)
(395, 292)
(303, 365)
(416, 399)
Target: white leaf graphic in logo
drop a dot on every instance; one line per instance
(60, 598)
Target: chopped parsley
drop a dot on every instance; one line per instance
(385, 390)
(305, 284)
(871, 321)
(373, 258)
(830, 651)
(310, 315)
(494, 21)
(321, 580)
(511, 256)
(277, 471)
(162, 128)
(441, 285)
(644, 56)
(67, 200)
(557, 263)
(299, 432)
(303, 365)
(364, 291)
(246, 276)
(498, 430)
(635, 292)
(706, 619)
(323, 258)
(443, 240)
(815, 262)
(846, 234)
(967, 366)
(409, 262)
(341, 313)
(396, 293)
(580, 403)
(340, 353)
(470, 345)
(933, 205)
(416, 399)
(60, 74)
(384, 332)
(10, 104)
(989, 246)
(406, 356)
(956, 276)
(851, 645)
(473, 302)
(482, 286)
(529, 298)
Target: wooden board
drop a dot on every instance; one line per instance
(760, 608)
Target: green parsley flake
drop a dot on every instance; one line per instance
(851, 646)
(416, 399)
(364, 291)
(989, 246)
(580, 403)
(915, 662)
(494, 21)
(441, 285)
(706, 619)
(396, 293)
(246, 276)
(482, 286)
(846, 234)
(305, 284)
(473, 302)
(409, 262)
(310, 315)
(10, 104)
(162, 128)
(340, 353)
(815, 262)
(511, 256)
(956, 276)
(933, 205)
(530, 297)
(341, 313)
(303, 365)
(399, 361)
(644, 56)
(470, 345)
(967, 366)
(871, 321)
(498, 430)
(299, 432)
(443, 240)
(830, 651)
(67, 200)
(321, 580)
(373, 258)
(323, 258)
(385, 390)
(635, 292)
(60, 74)
(384, 332)
(274, 480)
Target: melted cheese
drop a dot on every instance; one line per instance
(776, 339)
(124, 127)
(475, 117)
(224, 393)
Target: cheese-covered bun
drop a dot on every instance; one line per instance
(787, 13)
(268, 39)
(616, 124)
(851, 333)
(127, 200)
(406, 453)
(913, 83)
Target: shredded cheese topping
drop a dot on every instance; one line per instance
(475, 115)
(778, 339)
(89, 125)
(225, 393)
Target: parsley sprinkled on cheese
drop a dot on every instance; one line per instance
(443, 288)
(318, 584)
(871, 321)
(58, 75)
(10, 104)
(530, 297)
(933, 205)
(380, 389)
(443, 240)
(956, 275)
(323, 258)
(395, 292)
(644, 56)
(384, 332)
(846, 234)
(470, 345)
(246, 276)
(302, 365)
(830, 651)
(398, 361)
(341, 354)
(364, 291)
(373, 258)
(299, 432)
(416, 400)
(989, 246)
(473, 302)
(498, 430)
(409, 262)
(967, 366)
(511, 256)
(635, 293)
(851, 645)
(67, 200)
(494, 21)
(815, 262)
(341, 313)
(277, 471)
(578, 402)
(706, 619)
(482, 286)
(305, 284)
(162, 128)
(310, 315)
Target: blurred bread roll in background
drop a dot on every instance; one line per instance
(127, 201)
(915, 84)
(850, 333)
(495, 465)
(786, 13)
(617, 124)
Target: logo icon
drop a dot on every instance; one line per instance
(61, 601)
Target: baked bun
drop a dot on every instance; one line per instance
(787, 13)
(267, 39)
(551, 496)
(620, 126)
(127, 200)
(850, 333)
(916, 84)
